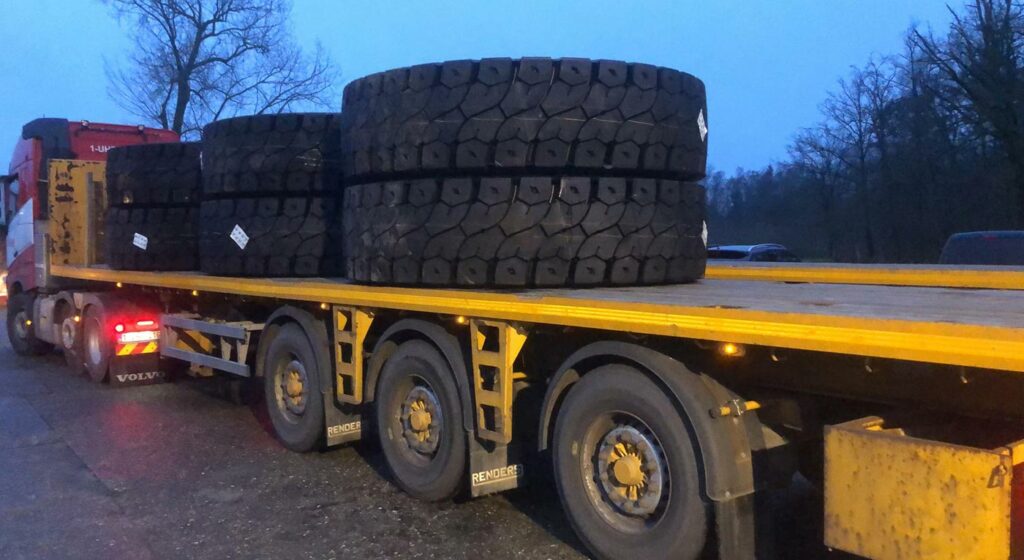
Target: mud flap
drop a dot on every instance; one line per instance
(139, 369)
(495, 467)
(341, 423)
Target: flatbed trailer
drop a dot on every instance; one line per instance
(869, 366)
(972, 328)
(662, 410)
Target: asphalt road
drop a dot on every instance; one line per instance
(178, 471)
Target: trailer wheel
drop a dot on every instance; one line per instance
(20, 331)
(419, 422)
(626, 468)
(97, 344)
(69, 337)
(292, 390)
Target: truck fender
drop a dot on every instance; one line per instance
(444, 341)
(316, 332)
(724, 448)
(108, 302)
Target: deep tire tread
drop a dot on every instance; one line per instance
(153, 174)
(171, 234)
(542, 231)
(288, 153)
(288, 236)
(531, 114)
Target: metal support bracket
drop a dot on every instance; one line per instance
(496, 345)
(351, 325)
(221, 346)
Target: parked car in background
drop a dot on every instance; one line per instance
(984, 247)
(764, 252)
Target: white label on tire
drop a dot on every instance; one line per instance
(140, 241)
(702, 125)
(239, 237)
(704, 235)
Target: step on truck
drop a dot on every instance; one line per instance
(662, 412)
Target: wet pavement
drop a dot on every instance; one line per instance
(178, 471)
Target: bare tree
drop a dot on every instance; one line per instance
(199, 60)
(816, 153)
(981, 57)
(848, 112)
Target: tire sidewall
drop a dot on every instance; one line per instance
(73, 355)
(290, 342)
(97, 369)
(443, 476)
(17, 304)
(682, 531)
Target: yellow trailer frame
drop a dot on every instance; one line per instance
(809, 325)
(934, 276)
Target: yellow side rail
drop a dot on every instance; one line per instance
(973, 345)
(927, 276)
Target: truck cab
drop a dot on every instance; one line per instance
(23, 204)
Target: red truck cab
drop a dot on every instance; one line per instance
(24, 186)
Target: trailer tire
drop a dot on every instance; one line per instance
(291, 388)
(97, 343)
(160, 238)
(419, 422)
(543, 231)
(290, 153)
(20, 330)
(615, 406)
(153, 174)
(528, 115)
(270, 236)
(69, 338)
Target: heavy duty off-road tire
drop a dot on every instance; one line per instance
(525, 232)
(274, 236)
(293, 153)
(530, 114)
(433, 467)
(615, 406)
(152, 238)
(146, 174)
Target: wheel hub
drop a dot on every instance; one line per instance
(627, 471)
(293, 387)
(630, 470)
(421, 420)
(67, 333)
(21, 324)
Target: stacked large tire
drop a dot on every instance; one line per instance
(271, 187)
(151, 220)
(524, 173)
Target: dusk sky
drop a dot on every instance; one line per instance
(767, 65)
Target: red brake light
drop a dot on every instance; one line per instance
(119, 327)
(146, 323)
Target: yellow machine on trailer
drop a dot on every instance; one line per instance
(906, 380)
